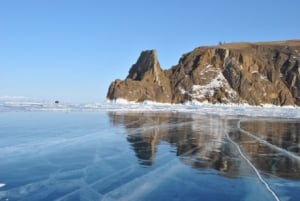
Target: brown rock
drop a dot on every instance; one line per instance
(146, 81)
(254, 73)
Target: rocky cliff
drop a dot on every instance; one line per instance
(253, 73)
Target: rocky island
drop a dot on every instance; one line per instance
(252, 73)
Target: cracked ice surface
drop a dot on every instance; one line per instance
(114, 154)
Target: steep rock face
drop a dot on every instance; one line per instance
(253, 73)
(146, 81)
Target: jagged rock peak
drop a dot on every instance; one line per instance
(146, 81)
(146, 62)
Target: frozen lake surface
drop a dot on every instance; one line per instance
(148, 152)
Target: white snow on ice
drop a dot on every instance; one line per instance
(121, 105)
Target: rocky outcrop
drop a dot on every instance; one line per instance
(146, 81)
(253, 73)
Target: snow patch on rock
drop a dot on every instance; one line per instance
(217, 84)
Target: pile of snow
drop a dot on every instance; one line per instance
(204, 108)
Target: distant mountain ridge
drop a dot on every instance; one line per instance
(253, 73)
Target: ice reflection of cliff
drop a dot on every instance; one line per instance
(283, 135)
(200, 141)
(210, 136)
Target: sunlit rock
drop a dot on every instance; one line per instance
(253, 73)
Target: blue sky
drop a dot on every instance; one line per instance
(71, 50)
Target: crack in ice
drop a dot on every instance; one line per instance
(252, 166)
(276, 148)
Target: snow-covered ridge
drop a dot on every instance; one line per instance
(201, 108)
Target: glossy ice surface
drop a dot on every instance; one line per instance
(114, 154)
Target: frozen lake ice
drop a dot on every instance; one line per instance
(146, 152)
